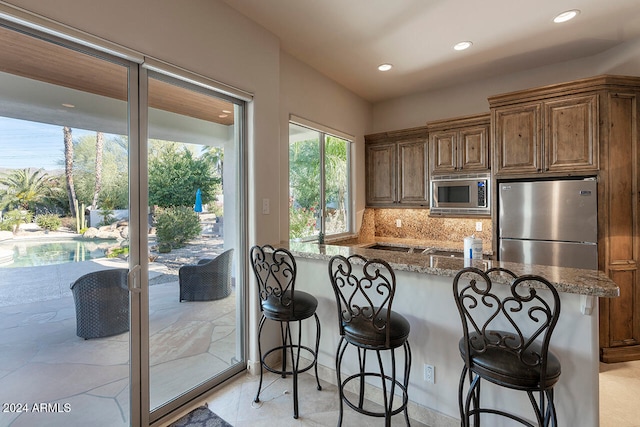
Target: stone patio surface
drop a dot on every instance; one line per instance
(86, 382)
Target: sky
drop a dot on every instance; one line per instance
(25, 144)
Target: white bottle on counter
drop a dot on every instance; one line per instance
(472, 247)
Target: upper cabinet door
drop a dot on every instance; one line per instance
(459, 145)
(474, 148)
(381, 174)
(518, 139)
(396, 168)
(443, 151)
(570, 134)
(412, 172)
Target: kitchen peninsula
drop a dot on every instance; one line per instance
(424, 296)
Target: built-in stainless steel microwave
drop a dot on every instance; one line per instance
(461, 195)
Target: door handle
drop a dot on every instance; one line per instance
(133, 281)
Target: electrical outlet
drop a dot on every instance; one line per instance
(479, 226)
(430, 373)
(398, 223)
(265, 207)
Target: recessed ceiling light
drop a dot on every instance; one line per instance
(462, 45)
(566, 16)
(385, 67)
(227, 111)
(68, 105)
(222, 116)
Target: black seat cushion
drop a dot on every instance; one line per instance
(361, 332)
(302, 308)
(504, 367)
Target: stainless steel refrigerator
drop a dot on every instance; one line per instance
(549, 222)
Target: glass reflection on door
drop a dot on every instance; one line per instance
(64, 198)
(193, 245)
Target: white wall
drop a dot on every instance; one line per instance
(310, 95)
(470, 98)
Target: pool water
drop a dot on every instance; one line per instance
(37, 253)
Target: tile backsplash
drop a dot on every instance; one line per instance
(417, 224)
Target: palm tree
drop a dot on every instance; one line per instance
(68, 168)
(24, 189)
(99, 151)
(215, 155)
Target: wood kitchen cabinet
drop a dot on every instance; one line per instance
(459, 145)
(588, 127)
(619, 247)
(555, 135)
(396, 168)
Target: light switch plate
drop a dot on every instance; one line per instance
(265, 207)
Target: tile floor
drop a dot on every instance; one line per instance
(620, 394)
(234, 403)
(619, 398)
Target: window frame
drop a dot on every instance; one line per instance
(323, 132)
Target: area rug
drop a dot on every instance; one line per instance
(201, 417)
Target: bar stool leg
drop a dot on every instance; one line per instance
(362, 359)
(262, 321)
(407, 371)
(463, 377)
(342, 346)
(284, 335)
(472, 395)
(315, 360)
(386, 401)
(295, 362)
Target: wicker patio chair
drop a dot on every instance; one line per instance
(208, 280)
(102, 303)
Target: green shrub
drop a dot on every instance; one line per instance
(107, 217)
(12, 219)
(49, 222)
(302, 222)
(177, 225)
(117, 252)
(164, 248)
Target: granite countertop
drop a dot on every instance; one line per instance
(567, 280)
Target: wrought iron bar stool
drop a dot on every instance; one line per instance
(275, 271)
(515, 355)
(364, 292)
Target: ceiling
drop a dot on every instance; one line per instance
(347, 40)
(63, 67)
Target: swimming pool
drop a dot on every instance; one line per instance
(28, 253)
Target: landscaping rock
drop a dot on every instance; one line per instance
(91, 233)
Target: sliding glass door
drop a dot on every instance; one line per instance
(121, 236)
(65, 356)
(195, 301)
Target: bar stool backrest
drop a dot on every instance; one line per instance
(511, 321)
(364, 290)
(275, 271)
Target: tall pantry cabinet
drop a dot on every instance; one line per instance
(588, 127)
(620, 317)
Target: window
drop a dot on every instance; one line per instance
(319, 196)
